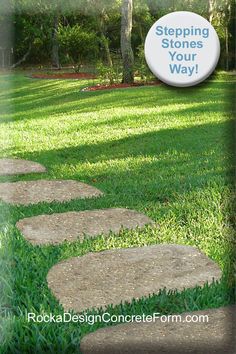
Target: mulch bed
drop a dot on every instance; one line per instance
(100, 87)
(78, 76)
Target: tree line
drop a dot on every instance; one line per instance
(109, 32)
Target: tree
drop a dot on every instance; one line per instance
(126, 48)
(104, 39)
(226, 21)
(103, 13)
(32, 37)
(55, 44)
(211, 7)
(34, 41)
(223, 18)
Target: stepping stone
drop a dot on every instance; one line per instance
(33, 192)
(214, 336)
(55, 228)
(114, 276)
(17, 167)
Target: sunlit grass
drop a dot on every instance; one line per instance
(167, 152)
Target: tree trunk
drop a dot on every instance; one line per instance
(226, 49)
(141, 32)
(105, 43)
(104, 39)
(227, 28)
(211, 4)
(55, 45)
(126, 48)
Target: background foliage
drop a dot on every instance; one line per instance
(97, 23)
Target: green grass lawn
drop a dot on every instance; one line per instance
(166, 152)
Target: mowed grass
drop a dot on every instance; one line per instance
(164, 151)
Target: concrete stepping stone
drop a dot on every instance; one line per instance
(18, 166)
(55, 228)
(114, 276)
(214, 336)
(33, 192)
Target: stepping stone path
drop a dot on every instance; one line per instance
(55, 228)
(33, 192)
(214, 336)
(114, 276)
(17, 166)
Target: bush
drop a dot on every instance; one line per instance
(141, 68)
(109, 74)
(79, 44)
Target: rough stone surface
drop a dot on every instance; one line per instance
(33, 192)
(214, 336)
(114, 276)
(18, 166)
(56, 228)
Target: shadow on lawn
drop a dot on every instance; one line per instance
(43, 99)
(154, 165)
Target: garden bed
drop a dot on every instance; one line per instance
(100, 87)
(78, 76)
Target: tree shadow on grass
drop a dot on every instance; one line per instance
(153, 166)
(47, 99)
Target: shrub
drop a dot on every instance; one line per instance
(141, 68)
(109, 74)
(79, 44)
